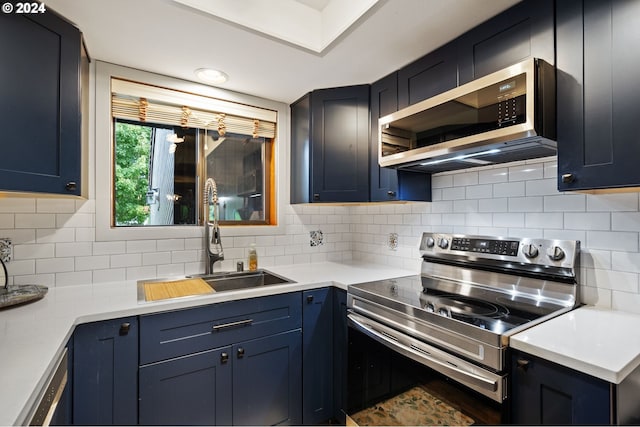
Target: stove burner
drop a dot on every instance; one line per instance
(459, 306)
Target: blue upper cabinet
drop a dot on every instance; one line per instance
(388, 184)
(597, 65)
(330, 146)
(430, 75)
(44, 63)
(526, 30)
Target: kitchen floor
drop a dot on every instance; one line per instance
(434, 402)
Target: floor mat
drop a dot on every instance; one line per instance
(413, 407)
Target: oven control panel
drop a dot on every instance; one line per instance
(540, 252)
(486, 246)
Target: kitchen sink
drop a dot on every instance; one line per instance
(189, 286)
(231, 281)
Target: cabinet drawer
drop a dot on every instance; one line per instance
(176, 333)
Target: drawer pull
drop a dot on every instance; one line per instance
(218, 328)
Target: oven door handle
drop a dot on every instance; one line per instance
(443, 366)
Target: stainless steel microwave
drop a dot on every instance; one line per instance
(505, 116)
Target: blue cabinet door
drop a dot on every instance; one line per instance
(339, 354)
(330, 146)
(189, 390)
(544, 393)
(317, 356)
(597, 63)
(267, 380)
(105, 387)
(430, 75)
(41, 80)
(524, 31)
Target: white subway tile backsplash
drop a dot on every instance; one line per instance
(17, 205)
(484, 191)
(628, 221)
(614, 280)
(509, 189)
(93, 262)
(54, 239)
(35, 221)
(54, 265)
(541, 187)
(72, 249)
(7, 221)
(622, 202)
(137, 246)
(55, 206)
(453, 193)
(526, 172)
(441, 181)
(526, 204)
(565, 203)
(625, 261)
(465, 206)
(465, 178)
(505, 220)
(126, 260)
(553, 220)
(493, 205)
(74, 278)
(612, 240)
(33, 251)
(109, 248)
(55, 235)
(111, 275)
(170, 245)
(594, 258)
(587, 221)
(493, 176)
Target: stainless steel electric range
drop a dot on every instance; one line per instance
(473, 293)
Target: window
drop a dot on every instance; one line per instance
(167, 142)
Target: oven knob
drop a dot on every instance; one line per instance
(530, 251)
(556, 253)
(443, 243)
(430, 242)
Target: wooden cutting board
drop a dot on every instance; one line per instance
(155, 291)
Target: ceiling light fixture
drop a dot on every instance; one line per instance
(209, 75)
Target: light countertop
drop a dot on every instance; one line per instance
(33, 336)
(600, 342)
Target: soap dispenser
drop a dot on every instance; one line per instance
(253, 257)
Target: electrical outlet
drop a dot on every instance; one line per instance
(6, 249)
(392, 243)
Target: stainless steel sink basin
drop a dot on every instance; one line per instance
(231, 281)
(219, 282)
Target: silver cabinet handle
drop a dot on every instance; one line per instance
(218, 328)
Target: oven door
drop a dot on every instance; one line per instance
(388, 368)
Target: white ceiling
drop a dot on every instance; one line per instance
(166, 37)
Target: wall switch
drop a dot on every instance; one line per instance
(6, 249)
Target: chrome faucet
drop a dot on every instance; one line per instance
(212, 242)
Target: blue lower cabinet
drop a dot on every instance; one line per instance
(544, 393)
(189, 390)
(317, 344)
(267, 380)
(105, 367)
